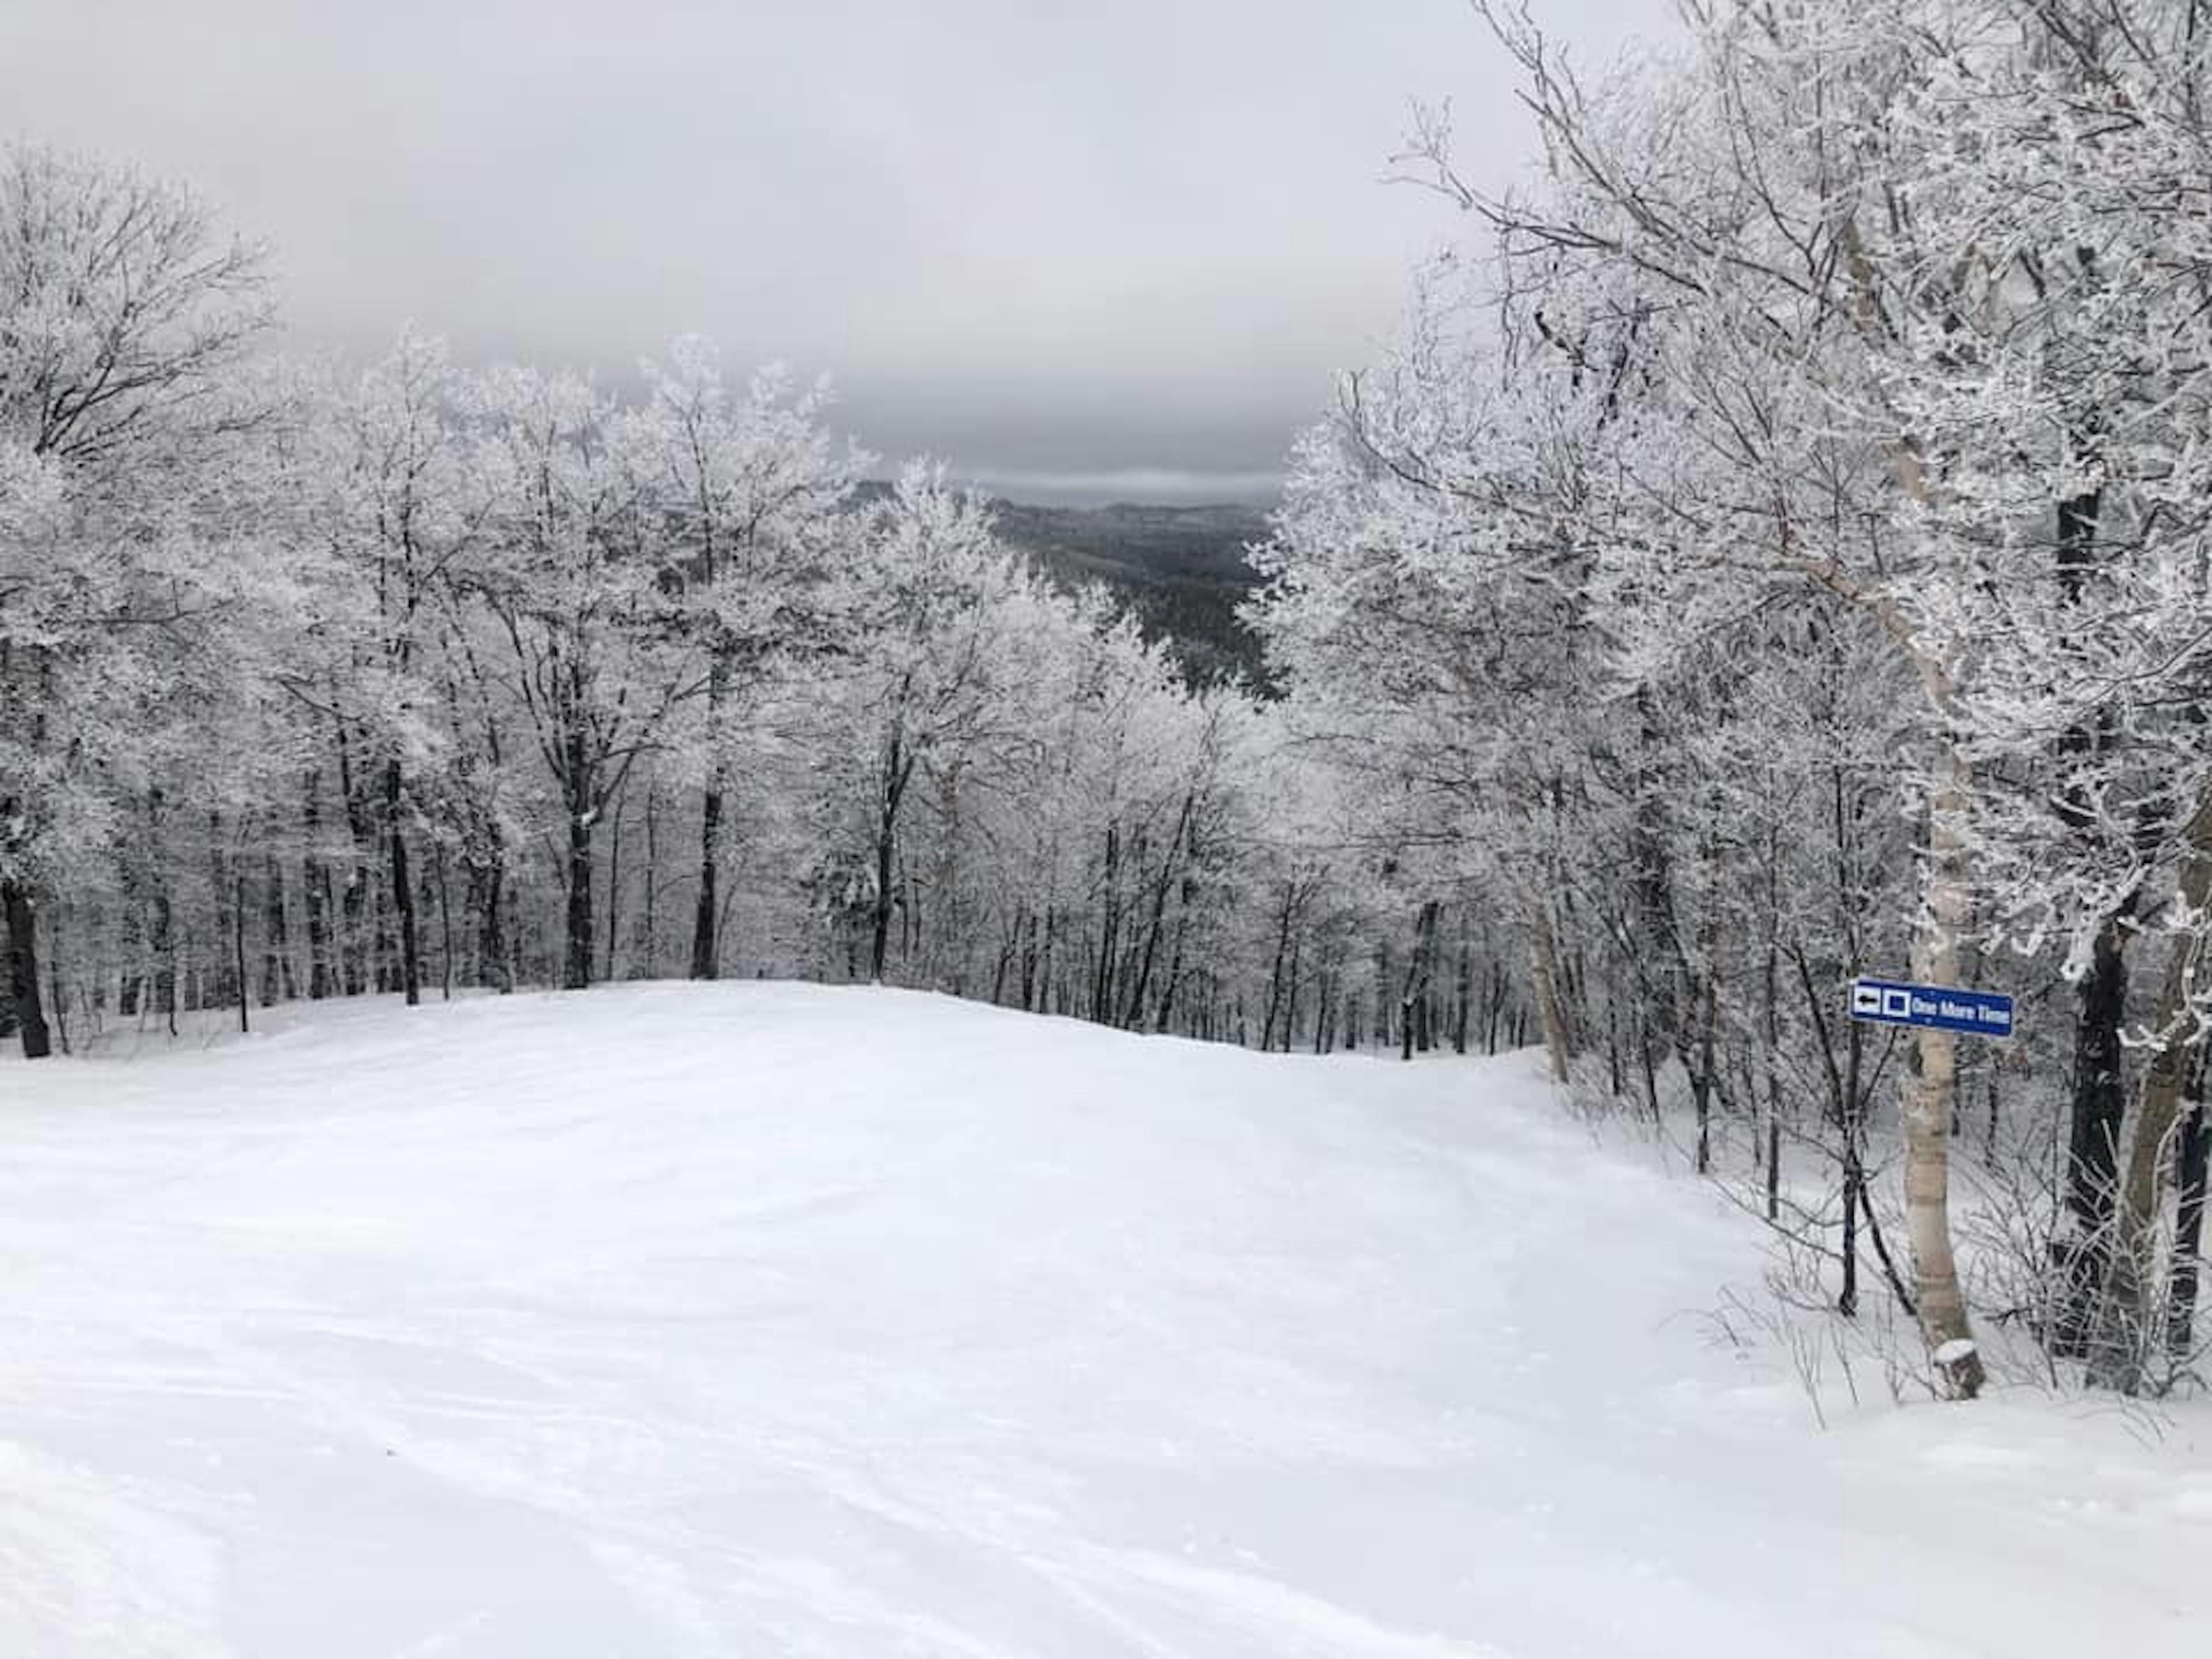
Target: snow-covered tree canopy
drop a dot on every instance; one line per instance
(1775, 549)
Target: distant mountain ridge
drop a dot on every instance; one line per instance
(1182, 569)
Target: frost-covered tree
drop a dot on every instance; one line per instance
(392, 509)
(572, 547)
(1838, 377)
(123, 310)
(755, 494)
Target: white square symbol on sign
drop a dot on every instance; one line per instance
(1896, 1005)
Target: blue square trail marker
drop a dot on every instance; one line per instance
(1894, 1002)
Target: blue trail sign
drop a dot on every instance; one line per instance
(1893, 1002)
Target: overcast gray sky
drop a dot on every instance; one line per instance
(1078, 250)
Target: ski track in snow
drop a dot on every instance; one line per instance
(780, 1320)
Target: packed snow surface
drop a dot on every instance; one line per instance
(783, 1320)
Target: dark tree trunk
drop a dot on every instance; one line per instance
(315, 893)
(165, 956)
(1642, 1054)
(356, 957)
(1385, 978)
(1850, 1116)
(1668, 986)
(576, 962)
(1847, 1299)
(1462, 985)
(1773, 1159)
(130, 992)
(897, 768)
(1175, 970)
(57, 1001)
(384, 950)
(706, 914)
(1413, 1001)
(1773, 1034)
(21, 917)
(2099, 1106)
(1275, 975)
(238, 952)
(614, 893)
(163, 931)
(879, 922)
(494, 972)
(276, 981)
(403, 889)
(579, 776)
(1006, 961)
(8, 1027)
(445, 923)
(1109, 934)
(219, 920)
(2189, 1230)
(649, 907)
(2099, 1098)
(1133, 1012)
(706, 957)
(1701, 1083)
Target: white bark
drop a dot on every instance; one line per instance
(1931, 1085)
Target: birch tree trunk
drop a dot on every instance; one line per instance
(1930, 1086)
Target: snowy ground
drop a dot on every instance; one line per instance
(775, 1321)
